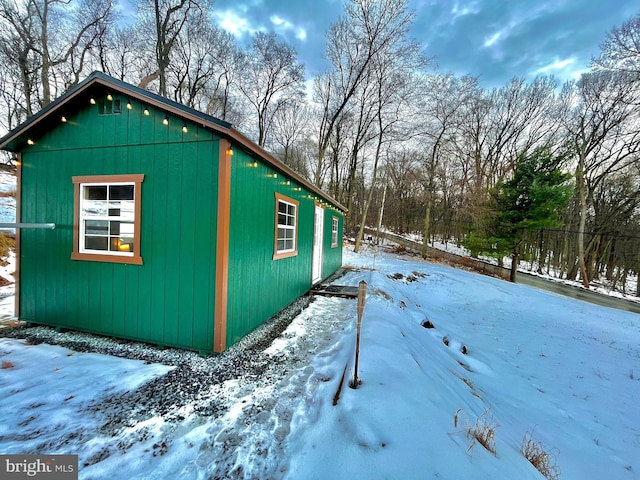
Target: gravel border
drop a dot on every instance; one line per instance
(188, 384)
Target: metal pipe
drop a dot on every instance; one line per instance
(49, 226)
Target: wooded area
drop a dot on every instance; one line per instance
(380, 123)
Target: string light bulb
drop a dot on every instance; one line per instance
(165, 120)
(184, 128)
(30, 142)
(109, 96)
(129, 106)
(63, 119)
(92, 101)
(146, 111)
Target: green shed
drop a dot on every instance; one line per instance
(171, 227)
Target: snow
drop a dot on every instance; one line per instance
(7, 203)
(44, 388)
(565, 371)
(7, 292)
(601, 285)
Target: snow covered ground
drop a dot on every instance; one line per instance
(601, 286)
(563, 371)
(7, 203)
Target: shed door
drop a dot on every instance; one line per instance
(318, 228)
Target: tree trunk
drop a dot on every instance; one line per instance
(384, 197)
(582, 194)
(46, 60)
(542, 252)
(638, 280)
(425, 230)
(515, 258)
(593, 264)
(611, 263)
(373, 184)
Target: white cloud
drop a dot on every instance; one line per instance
(555, 66)
(277, 21)
(566, 69)
(468, 9)
(234, 23)
(492, 39)
(281, 26)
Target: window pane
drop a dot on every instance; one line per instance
(280, 245)
(282, 219)
(126, 244)
(126, 228)
(127, 208)
(121, 192)
(98, 192)
(121, 244)
(96, 227)
(292, 212)
(94, 208)
(96, 243)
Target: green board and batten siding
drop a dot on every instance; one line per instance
(260, 286)
(207, 222)
(169, 299)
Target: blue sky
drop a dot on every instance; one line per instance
(495, 40)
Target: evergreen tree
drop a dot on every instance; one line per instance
(531, 200)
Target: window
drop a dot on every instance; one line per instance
(107, 218)
(334, 232)
(109, 107)
(286, 241)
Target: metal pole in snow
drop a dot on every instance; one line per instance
(50, 226)
(362, 292)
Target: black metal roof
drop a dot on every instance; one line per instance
(10, 140)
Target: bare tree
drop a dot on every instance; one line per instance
(122, 54)
(272, 78)
(18, 42)
(227, 58)
(601, 123)
(50, 41)
(366, 29)
(162, 22)
(290, 127)
(443, 99)
(621, 49)
(199, 67)
(361, 131)
(391, 74)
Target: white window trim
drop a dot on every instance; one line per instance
(81, 253)
(107, 218)
(287, 252)
(335, 228)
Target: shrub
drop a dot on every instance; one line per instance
(543, 461)
(482, 431)
(6, 244)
